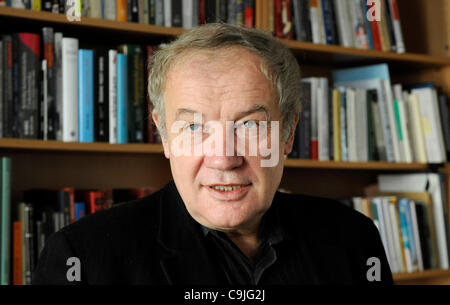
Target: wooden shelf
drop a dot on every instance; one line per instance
(40, 145)
(424, 277)
(306, 51)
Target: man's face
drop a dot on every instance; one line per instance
(218, 87)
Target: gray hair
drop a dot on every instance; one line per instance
(278, 65)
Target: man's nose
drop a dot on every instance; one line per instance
(222, 151)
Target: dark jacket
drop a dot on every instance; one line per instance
(154, 240)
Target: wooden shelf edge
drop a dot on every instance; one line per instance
(40, 145)
(171, 31)
(423, 275)
(374, 165)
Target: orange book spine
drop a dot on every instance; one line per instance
(17, 253)
(122, 10)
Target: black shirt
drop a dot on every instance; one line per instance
(236, 267)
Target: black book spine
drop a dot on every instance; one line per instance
(210, 11)
(28, 68)
(47, 5)
(49, 54)
(306, 33)
(151, 12)
(15, 83)
(333, 24)
(223, 11)
(305, 121)
(29, 243)
(133, 11)
(101, 104)
(295, 146)
(177, 13)
(390, 26)
(62, 6)
(445, 119)
(7, 85)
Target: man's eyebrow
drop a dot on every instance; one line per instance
(181, 111)
(256, 108)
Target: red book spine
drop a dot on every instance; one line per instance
(375, 33)
(95, 201)
(201, 12)
(248, 14)
(17, 253)
(72, 212)
(277, 10)
(314, 150)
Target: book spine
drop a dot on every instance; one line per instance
(305, 117)
(122, 10)
(85, 96)
(249, 8)
(326, 10)
(151, 12)
(43, 113)
(2, 94)
(176, 13)
(47, 5)
(323, 130)
(109, 9)
(101, 110)
(223, 11)
(133, 11)
(277, 18)
(314, 17)
(367, 25)
(375, 29)
(143, 11)
(5, 221)
(29, 67)
(231, 12)
(188, 11)
(337, 125)
(122, 99)
(17, 253)
(70, 89)
(400, 44)
(112, 95)
(240, 12)
(343, 112)
(167, 13)
(8, 85)
(49, 56)
(159, 12)
(58, 86)
(96, 9)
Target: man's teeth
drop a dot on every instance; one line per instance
(226, 188)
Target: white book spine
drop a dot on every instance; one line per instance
(58, 73)
(323, 129)
(357, 24)
(187, 11)
(429, 125)
(109, 9)
(70, 89)
(402, 108)
(362, 130)
(315, 27)
(323, 38)
(44, 106)
(378, 201)
(396, 234)
(351, 125)
(417, 137)
(389, 233)
(112, 95)
(343, 23)
(392, 122)
(168, 13)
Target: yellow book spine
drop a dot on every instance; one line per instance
(337, 125)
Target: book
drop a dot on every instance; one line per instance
(305, 121)
(400, 45)
(344, 26)
(176, 13)
(5, 220)
(48, 38)
(314, 117)
(301, 20)
(86, 95)
(101, 91)
(122, 99)
(109, 9)
(28, 61)
(112, 95)
(336, 102)
(8, 100)
(121, 10)
(69, 89)
(167, 6)
(415, 120)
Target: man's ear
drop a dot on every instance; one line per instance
(164, 141)
(290, 141)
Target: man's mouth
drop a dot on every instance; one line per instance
(228, 191)
(226, 188)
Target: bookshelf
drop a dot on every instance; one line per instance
(53, 164)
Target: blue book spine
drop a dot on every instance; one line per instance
(402, 210)
(326, 22)
(404, 205)
(122, 99)
(343, 113)
(102, 8)
(86, 95)
(80, 210)
(367, 24)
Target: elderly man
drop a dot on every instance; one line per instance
(226, 103)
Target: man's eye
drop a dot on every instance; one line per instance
(193, 127)
(250, 124)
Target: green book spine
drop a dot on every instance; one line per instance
(5, 184)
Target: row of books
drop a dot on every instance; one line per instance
(363, 118)
(361, 24)
(44, 211)
(52, 89)
(170, 13)
(412, 220)
(351, 23)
